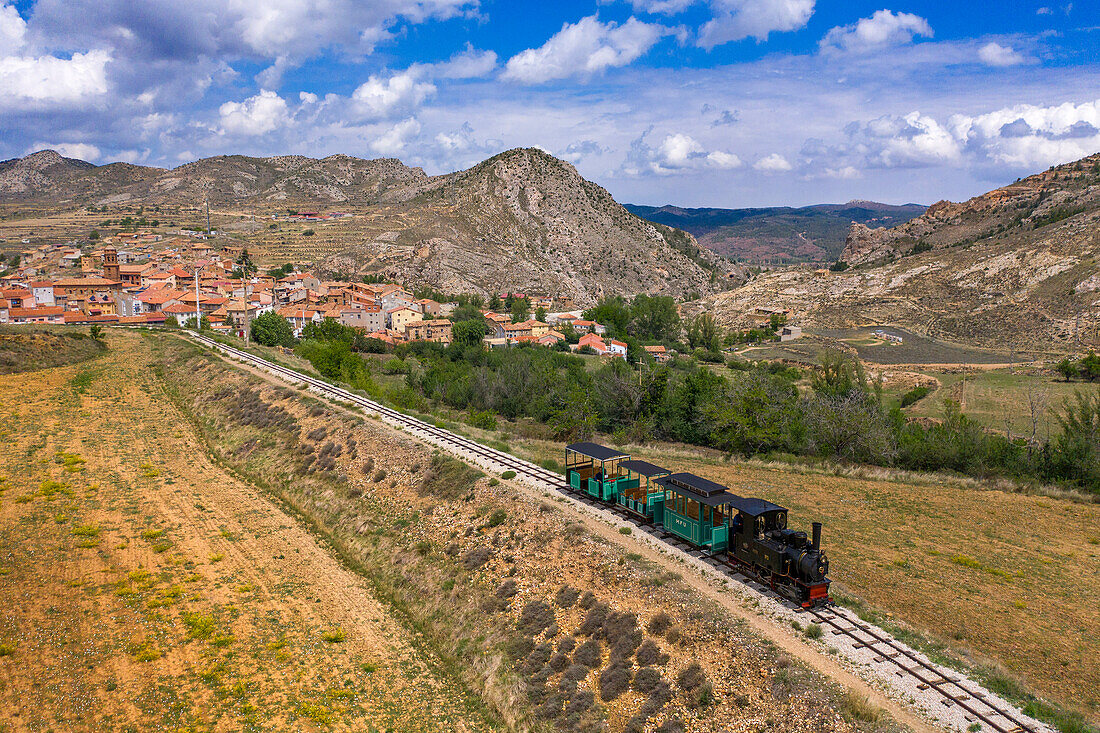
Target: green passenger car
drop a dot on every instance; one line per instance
(640, 494)
(697, 510)
(596, 470)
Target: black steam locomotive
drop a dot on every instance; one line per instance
(750, 534)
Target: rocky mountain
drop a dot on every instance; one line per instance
(778, 234)
(521, 220)
(1016, 266)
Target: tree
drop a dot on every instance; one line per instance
(840, 375)
(520, 310)
(540, 314)
(467, 333)
(93, 235)
(613, 313)
(494, 303)
(1066, 368)
(96, 331)
(654, 317)
(171, 322)
(576, 420)
(704, 333)
(204, 323)
(850, 427)
(271, 329)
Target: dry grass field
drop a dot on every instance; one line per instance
(189, 547)
(146, 588)
(25, 348)
(1002, 581)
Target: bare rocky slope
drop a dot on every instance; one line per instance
(1016, 266)
(521, 220)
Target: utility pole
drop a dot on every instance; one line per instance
(198, 311)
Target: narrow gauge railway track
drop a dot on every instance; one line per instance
(839, 621)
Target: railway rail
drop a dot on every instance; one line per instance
(950, 688)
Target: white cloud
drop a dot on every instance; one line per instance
(80, 151)
(256, 115)
(663, 7)
(12, 30)
(735, 20)
(677, 152)
(1044, 11)
(467, 64)
(1020, 138)
(582, 48)
(307, 97)
(379, 98)
(723, 159)
(48, 81)
(774, 163)
(1030, 136)
(994, 54)
(27, 80)
(884, 28)
(394, 140)
(914, 139)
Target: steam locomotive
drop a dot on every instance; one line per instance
(749, 534)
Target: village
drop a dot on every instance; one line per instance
(148, 279)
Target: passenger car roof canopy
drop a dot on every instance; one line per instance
(597, 451)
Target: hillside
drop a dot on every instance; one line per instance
(778, 234)
(521, 220)
(1018, 266)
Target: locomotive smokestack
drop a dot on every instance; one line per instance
(817, 536)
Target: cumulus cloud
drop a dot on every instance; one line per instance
(583, 48)
(382, 98)
(994, 54)
(256, 115)
(467, 64)
(884, 28)
(49, 81)
(735, 20)
(1020, 138)
(577, 151)
(1030, 136)
(12, 30)
(394, 140)
(291, 29)
(677, 152)
(80, 151)
(44, 81)
(774, 163)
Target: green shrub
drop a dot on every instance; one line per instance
(915, 395)
(508, 475)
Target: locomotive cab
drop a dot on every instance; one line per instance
(795, 564)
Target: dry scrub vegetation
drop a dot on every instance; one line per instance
(188, 546)
(25, 348)
(550, 626)
(144, 587)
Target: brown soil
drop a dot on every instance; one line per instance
(148, 587)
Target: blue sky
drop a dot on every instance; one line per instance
(704, 103)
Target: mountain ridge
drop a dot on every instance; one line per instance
(776, 234)
(520, 220)
(1018, 265)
